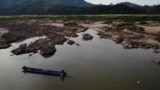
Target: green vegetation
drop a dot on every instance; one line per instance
(143, 22)
(108, 21)
(125, 25)
(70, 23)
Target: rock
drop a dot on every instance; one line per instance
(87, 37)
(57, 39)
(48, 50)
(45, 46)
(73, 29)
(10, 38)
(118, 39)
(4, 45)
(82, 29)
(30, 55)
(85, 29)
(157, 62)
(77, 44)
(104, 35)
(20, 50)
(156, 51)
(70, 42)
(126, 44)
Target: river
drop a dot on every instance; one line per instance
(99, 64)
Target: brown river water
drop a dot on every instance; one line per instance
(99, 64)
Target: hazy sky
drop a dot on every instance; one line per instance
(140, 2)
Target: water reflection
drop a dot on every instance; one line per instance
(48, 55)
(62, 79)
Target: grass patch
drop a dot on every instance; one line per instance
(108, 21)
(125, 25)
(70, 23)
(129, 26)
(132, 27)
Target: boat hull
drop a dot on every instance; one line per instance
(42, 71)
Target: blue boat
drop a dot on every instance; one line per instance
(45, 72)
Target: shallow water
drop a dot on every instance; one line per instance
(99, 64)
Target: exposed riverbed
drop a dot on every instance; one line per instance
(97, 64)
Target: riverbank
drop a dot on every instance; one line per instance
(131, 32)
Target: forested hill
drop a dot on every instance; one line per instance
(65, 7)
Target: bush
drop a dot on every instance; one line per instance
(70, 23)
(132, 27)
(124, 24)
(108, 22)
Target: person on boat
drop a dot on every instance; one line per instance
(44, 71)
(62, 72)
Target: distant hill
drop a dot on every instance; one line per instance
(66, 7)
(7, 3)
(135, 6)
(131, 5)
(78, 3)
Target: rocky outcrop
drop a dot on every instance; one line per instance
(10, 38)
(156, 51)
(48, 49)
(127, 44)
(136, 44)
(45, 46)
(71, 42)
(87, 37)
(118, 39)
(7, 38)
(3, 44)
(57, 39)
(23, 29)
(157, 62)
(20, 50)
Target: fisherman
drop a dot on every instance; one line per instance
(62, 72)
(44, 71)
